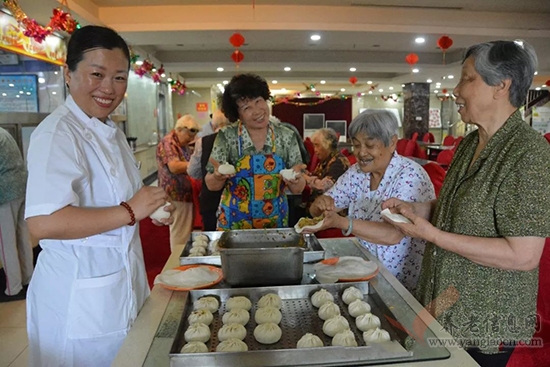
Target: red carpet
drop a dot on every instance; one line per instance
(156, 247)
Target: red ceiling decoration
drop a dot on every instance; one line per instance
(237, 40)
(444, 43)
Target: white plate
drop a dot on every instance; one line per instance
(398, 218)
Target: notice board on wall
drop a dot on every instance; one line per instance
(18, 93)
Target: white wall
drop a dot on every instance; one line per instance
(187, 104)
(142, 100)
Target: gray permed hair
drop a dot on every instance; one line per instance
(376, 124)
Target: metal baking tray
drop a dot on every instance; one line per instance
(256, 238)
(299, 317)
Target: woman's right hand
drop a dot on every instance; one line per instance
(322, 204)
(405, 208)
(147, 200)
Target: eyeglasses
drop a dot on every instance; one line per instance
(191, 130)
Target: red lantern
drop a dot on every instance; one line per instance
(411, 59)
(237, 40)
(444, 43)
(237, 56)
(353, 80)
(444, 91)
(547, 83)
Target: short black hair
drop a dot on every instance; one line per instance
(92, 37)
(242, 86)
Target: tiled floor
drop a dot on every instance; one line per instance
(13, 334)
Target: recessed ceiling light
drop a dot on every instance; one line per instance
(436, 91)
(415, 70)
(363, 93)
(55, 72)
(28, 93)
(428, 81)
(370, 91)
(4, 94)
(220, 69)
(287, 68)
(21, 92)
(169, 80)
(54, 93)
(11, 85)
(17, 96)
(380, 90)
(163, 75)
(352, 69)
(274, 82)
(420, 40)
(536, 72)
(342, 89)
(41, 80)
(154, 70)
(537, 88)
(313, 89)
(225, 82)
(403, 85)
(322, 82)
(451, 77)
(369, 82)
(390, 88)
(315, 37)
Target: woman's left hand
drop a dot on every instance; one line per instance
(419, 228)
(331, 220)
(298, 169)
(166, 221)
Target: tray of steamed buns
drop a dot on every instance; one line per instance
(320, 324)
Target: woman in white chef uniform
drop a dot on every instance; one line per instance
(84, 196)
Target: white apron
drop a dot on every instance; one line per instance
(85, 293)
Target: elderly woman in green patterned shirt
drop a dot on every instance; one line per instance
(254, 195)
(486, 231)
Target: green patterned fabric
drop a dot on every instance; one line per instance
(506, 193)
(13, 173)
(226, 146)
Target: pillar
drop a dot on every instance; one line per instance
(416, 109)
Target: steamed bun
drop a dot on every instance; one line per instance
(358, 308)
(233, 330)
(344, 339)
(270, 299)
(202, 237)
(376, 335)
(210, 303)
(202, 315)
(197, 333)
(232, 345)
(367, 321)
(328, 310)
(268, 333)
(194, 347)
(197, 251)
(268, 314)
(309, 341)
(335, 325)
(320, 297)
(238, 315)
(351, 294)
(238, 302)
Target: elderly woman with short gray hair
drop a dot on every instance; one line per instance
(379, 174)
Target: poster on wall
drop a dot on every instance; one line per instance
(435, 117)
(18, 93)
(541, 119)
(52, 49)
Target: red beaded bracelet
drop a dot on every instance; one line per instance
(130, 211)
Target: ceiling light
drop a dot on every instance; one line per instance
(41, 80)
(17, 96)
(28, 93)
(55, 72)
(380, 90)
(11, 85)
(342, 89)
(322, 82)
(287, 68)
(4, 94)
(225, 82)
(536, 72)
(370, 91)
(537, 88)
(139, 63)
(436, 91)
(54, 93)
(162, 75)
(451, 77)
(352, 69)
(21, 92)
(220, 69)
(420, 40)
(315, 37)
(415, 71)
(390, 88)
(428, 81)
(274, 82)
(169, 80)
(154, 70)
(369, 82)
(313, 89)
(363, 93)
(403, 85)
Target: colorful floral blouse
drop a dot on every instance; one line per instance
(178, 186)
(403, 179)
(333, 167)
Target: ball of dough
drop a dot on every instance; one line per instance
(238, 315)
(194, 347)
(233, 330)
(202, 315)
(334, 325)
(320, 297)
(288, 174)
(270, 299)
(197, 251)
(309, 341)
(226, 169)
(376, 335)
(199, 243)
(238, 302)
(197, 254)
(232, 345)
(344, 339)
(328, 310)
(268, 333)
(202, 237)
(351, 294)
(160, 213)
(197, 333)
(358, 308)
(210, 303)
(367, 321)
(268, 314)
(214, 246)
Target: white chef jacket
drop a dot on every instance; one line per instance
(85, 293)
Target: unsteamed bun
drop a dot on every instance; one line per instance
(238, 302)
(268, 314)
(194, 347)
(320, 297)
(367, 321)
(202, 237)
(238, 315)
(232, 330)
(376, 336)
(197, 333)
(197, 251)
(226, 169)
(351, 294)
(328, 310)
(202, 315)
(270, 299)
(199, 243)
(268, 333)
(210, 303)
(232, 345)
(309, 341)
(160, 213)
(358, 308)
(344, 339)
(334, 325)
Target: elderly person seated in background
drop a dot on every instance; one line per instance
(379, 174)
(332, 164)
(253, 197)
(486, 231)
